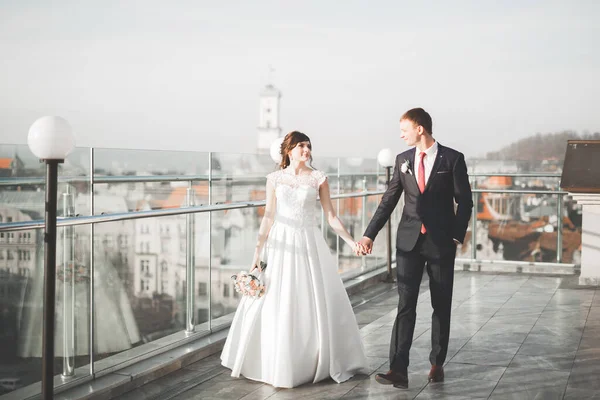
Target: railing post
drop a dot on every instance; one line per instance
(474, 226)
(363, 216)
(210, 178)
(190, 262)
(338, 212)
(91, 318)
(559, 228)
(69, 270)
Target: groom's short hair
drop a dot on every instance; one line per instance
(418, 116)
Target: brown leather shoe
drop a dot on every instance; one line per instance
(398, 379)
(436, 374)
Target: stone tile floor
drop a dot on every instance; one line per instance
(512, 337)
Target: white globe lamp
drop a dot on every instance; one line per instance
(385, 158)
(51, 138)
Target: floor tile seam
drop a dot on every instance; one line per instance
(578, 346)
(393, 288)
(481, 288)
(352, 388)
(521, 345)
(183, 388)
(488, 320)
(511, 360)
(258, 388)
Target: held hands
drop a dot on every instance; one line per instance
(363, 247)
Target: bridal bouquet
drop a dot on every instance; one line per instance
(248, 284)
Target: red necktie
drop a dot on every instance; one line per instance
(421, 181)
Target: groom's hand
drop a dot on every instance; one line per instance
(366, 244)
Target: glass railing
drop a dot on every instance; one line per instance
(147, 245)
(523, 220)
(148, 241)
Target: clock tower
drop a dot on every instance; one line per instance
(268, 122)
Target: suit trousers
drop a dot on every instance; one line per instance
(409, 271)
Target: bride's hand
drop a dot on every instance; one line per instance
(358, 249)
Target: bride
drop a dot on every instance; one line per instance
(303, 329)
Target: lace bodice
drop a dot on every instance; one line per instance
(296, 196)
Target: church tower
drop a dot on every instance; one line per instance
(268, 123)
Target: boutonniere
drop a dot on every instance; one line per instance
(405, 167)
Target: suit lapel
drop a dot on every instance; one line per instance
(436, 165)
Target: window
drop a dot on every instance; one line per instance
(1, 254)
(226, 290)
(9, 219)
(145, 266)
(164, 267)
(27, 255)
(202, 289)
(9, 255)
(164, 286)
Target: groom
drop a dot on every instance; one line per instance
(433, 178)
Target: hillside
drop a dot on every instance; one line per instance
(549, 146)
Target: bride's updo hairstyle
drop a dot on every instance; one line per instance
(289, 142)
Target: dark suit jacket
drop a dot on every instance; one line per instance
(448, 182)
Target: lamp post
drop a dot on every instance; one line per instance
(51, 140)
(385, 158)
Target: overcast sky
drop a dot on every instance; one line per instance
(185, 75)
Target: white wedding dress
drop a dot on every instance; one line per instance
(303, 329)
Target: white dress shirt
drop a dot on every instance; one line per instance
(429, 159)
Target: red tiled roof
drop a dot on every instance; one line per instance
(5, 163)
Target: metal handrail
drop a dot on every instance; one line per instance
(113, 217)
(519, 175)
(95, 219)
(103, 179)
(517, 191)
